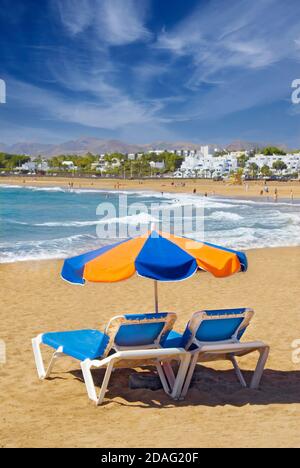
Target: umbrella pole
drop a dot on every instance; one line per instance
(156, 296)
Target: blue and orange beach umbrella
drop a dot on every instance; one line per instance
(158, 256)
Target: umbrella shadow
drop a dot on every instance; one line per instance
(209, 388)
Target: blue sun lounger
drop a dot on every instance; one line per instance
(213, 335)
(128, 341)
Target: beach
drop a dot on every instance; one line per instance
(217, 412)
(251, 189)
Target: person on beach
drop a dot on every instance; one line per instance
(292, 195)
(275, 195)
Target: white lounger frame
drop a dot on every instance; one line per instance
(226, 350)
(130, 357)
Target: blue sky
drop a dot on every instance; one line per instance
(145, 70)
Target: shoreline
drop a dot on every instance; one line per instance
(180, 186)
(30, 261)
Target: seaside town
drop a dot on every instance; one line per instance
(206, 163)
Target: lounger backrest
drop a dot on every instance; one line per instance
(136, 330)
(217, 326)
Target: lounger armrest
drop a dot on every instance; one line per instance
(230, 347)
(162, 354)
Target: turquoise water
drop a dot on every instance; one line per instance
(40, 223)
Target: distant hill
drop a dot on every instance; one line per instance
(84, 145)
(240, 145)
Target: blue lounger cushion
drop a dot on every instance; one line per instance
(173, 340)
(221, 329)
(138, 335)
(81, 344)
(176, 340)
(209, 330)
(141, 334)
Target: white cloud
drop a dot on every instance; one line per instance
(238, 34)
(74, 19)
(108, 114)
(115, 22)
(122, 21)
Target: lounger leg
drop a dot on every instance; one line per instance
(36, 342)
(182, 371)
(105, 382)
(162, 378)
(169, 373)
(263, 356)
(189, 376)
(88, 379)
(36, 346)
(238, 371)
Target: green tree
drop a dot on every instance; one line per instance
(279, 165)
(220, 153)
(253, 167)
(241, 160)
(238, 176)
(11, 161)
(270, 150)
(266, 171)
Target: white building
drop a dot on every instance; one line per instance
(32, 166)
(29, 166)
(160, 165)
(203, 164)
(157, 152)
(205, 151)
(69, 165)
(292, 162)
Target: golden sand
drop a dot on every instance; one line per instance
(216, 413)
(249, 190)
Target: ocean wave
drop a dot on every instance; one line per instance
(13, 221)
(259, 202)
(7, 186)
(141, 218)
(225, 215)
(250, 238)
(45, 242)
(47, 248)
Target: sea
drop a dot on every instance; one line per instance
(47, 223)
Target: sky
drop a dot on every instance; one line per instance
(204, 71)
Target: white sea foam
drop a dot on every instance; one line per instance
(46, 248)
(141, 218)
(225, 215)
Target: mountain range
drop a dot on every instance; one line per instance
(84, 145)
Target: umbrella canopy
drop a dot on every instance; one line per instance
(158, 256)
